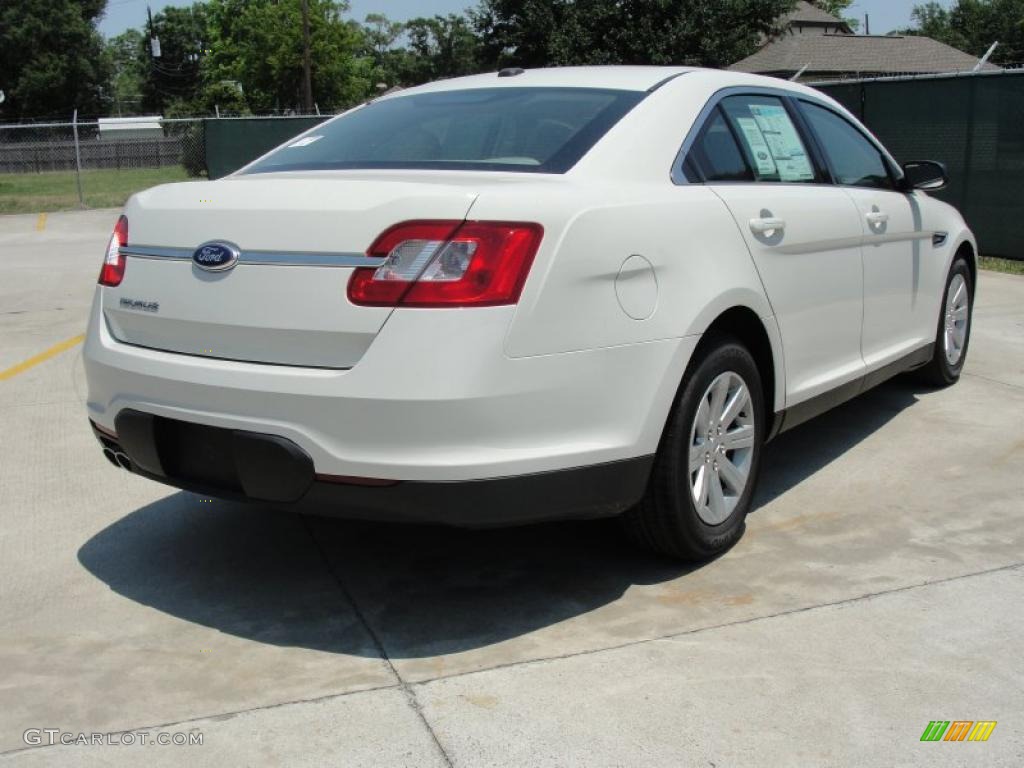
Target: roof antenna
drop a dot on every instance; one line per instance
(984, 59)
(802, 69)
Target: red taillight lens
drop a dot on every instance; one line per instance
(112, 272)
(448, 264)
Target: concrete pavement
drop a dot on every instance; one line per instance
(878, 587)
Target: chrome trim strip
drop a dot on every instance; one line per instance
(273, 258)
(156, 252)
(310, 259)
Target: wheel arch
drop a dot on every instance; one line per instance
(761, 337)
(969, 249)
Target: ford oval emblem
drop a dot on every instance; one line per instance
(216, 256)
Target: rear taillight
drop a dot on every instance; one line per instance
(112, 272)
(448, 264)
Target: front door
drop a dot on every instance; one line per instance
(898, 313)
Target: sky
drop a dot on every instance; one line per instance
(886, 15)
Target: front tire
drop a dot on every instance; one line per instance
(707, 465)
(953, 334)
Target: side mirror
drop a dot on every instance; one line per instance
(926, 175)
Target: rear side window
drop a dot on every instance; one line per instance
(769, 139)
(716, 153)
(539, 130)
(854, 160)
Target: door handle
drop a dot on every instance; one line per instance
(877, 217)
(767, 226)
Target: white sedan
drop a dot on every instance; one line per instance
(557, 293)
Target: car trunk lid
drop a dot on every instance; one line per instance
(284, 301)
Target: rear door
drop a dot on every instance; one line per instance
(897, 314)
(804, 235)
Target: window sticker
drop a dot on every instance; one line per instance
(758, 146)
(784, 142)
(305, 141)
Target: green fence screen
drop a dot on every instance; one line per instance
(972, 123)
(233, 142)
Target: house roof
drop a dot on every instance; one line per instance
(861, 54)
(811, 15)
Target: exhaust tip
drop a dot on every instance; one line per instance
(111, 457)
(123, 461)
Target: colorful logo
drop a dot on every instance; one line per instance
(958, 730)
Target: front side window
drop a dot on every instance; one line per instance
(769, 139)
(540, 130)
(854, 160)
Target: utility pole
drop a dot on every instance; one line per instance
(154, 41)
(307, 81)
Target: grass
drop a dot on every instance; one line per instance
(57, 190)
(995, 264)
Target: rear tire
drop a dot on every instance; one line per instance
(953, 334)
(707, 465)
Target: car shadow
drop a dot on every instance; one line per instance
(799, 453)
(307, 582)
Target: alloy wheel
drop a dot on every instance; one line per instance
(721, 447)
(956, 319)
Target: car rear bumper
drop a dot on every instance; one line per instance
(435, 399)
(249, 466)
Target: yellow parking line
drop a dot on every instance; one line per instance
(41, 222)
(42, 357)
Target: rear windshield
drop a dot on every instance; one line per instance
(539, 130)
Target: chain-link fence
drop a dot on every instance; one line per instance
(100, 163)
(94, 163)
(36, 148)
(974, 123)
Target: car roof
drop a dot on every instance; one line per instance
(624, 78)
(615, 77)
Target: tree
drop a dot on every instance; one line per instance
(51, 58)
(440, 47)
(258, 45)
(127, 72)
(381, 34)
(379, 53)
(536, 33)
(836, 8)
(973, 25)
(172, 81)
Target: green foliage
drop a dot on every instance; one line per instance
(245, 56)
(51, 58)
(435, 48)
(379, 58)
(127, 72)
(193, 146)
(380, 35)
(533, 33)
(258, 44)
(440, 47)
(175, 77)
(973, 25)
